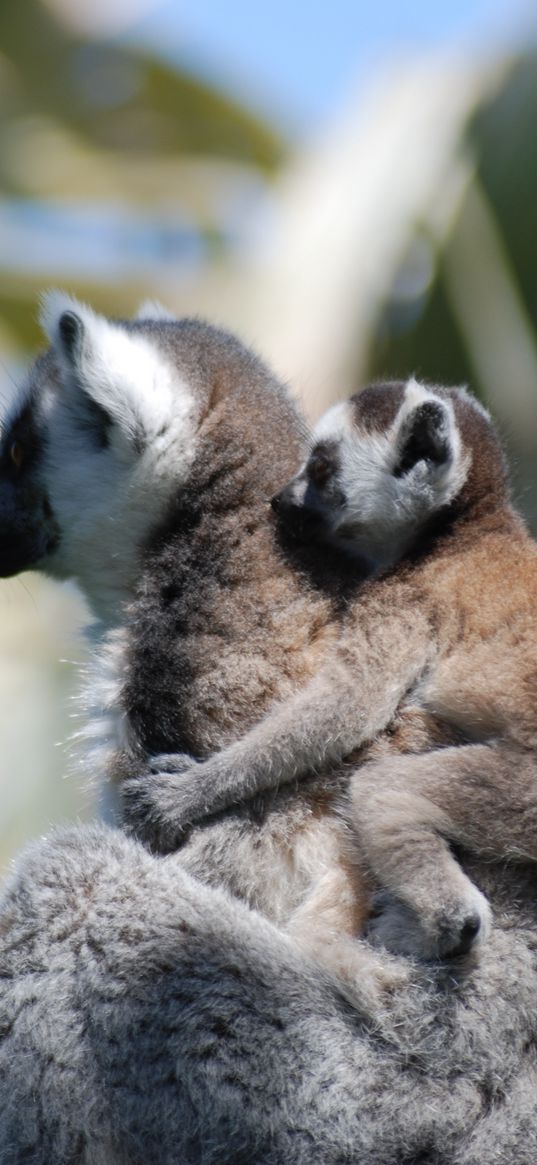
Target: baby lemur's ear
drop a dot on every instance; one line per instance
(426, 434)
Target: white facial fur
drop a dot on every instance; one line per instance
(106, 500)
(383, 512)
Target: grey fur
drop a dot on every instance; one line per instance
(147, 1018)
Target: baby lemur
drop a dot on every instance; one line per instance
(407, 472)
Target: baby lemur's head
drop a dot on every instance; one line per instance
(384, 464)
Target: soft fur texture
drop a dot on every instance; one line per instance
(148, 1015)
(147, 1019)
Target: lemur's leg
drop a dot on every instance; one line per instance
(329, 927)
(406, 811)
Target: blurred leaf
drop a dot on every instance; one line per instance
(118, 98)
(424, 337)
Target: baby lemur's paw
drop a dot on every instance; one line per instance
(151, 809)
(451, 932)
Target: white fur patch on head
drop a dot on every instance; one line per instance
(335, 424)
(416, 393)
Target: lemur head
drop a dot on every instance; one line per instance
(104, 435)
(383, 464)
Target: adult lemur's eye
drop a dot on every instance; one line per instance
(16, 454)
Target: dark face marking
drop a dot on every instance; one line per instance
(322, 463)
(376, 407)
(306, 505)
(24, 434)
(28, 529)
(299, 519)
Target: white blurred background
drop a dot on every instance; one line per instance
(350, 186)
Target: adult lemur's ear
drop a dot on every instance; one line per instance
(120, 370)
(71, 333)
(426, 434)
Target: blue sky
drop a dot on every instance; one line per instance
(297, 60)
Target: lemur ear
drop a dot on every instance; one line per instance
(119, 370)
(71, 332)
(426, 434)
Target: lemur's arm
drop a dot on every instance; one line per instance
(353, 697)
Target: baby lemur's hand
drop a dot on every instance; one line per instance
(155, 804)
(160, 807)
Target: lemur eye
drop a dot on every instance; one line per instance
(320, 467)
(16, 454)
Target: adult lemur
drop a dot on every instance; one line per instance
(146, 1015)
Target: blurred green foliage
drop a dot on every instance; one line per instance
(98, 122)
(116, 98)
(421, 335)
